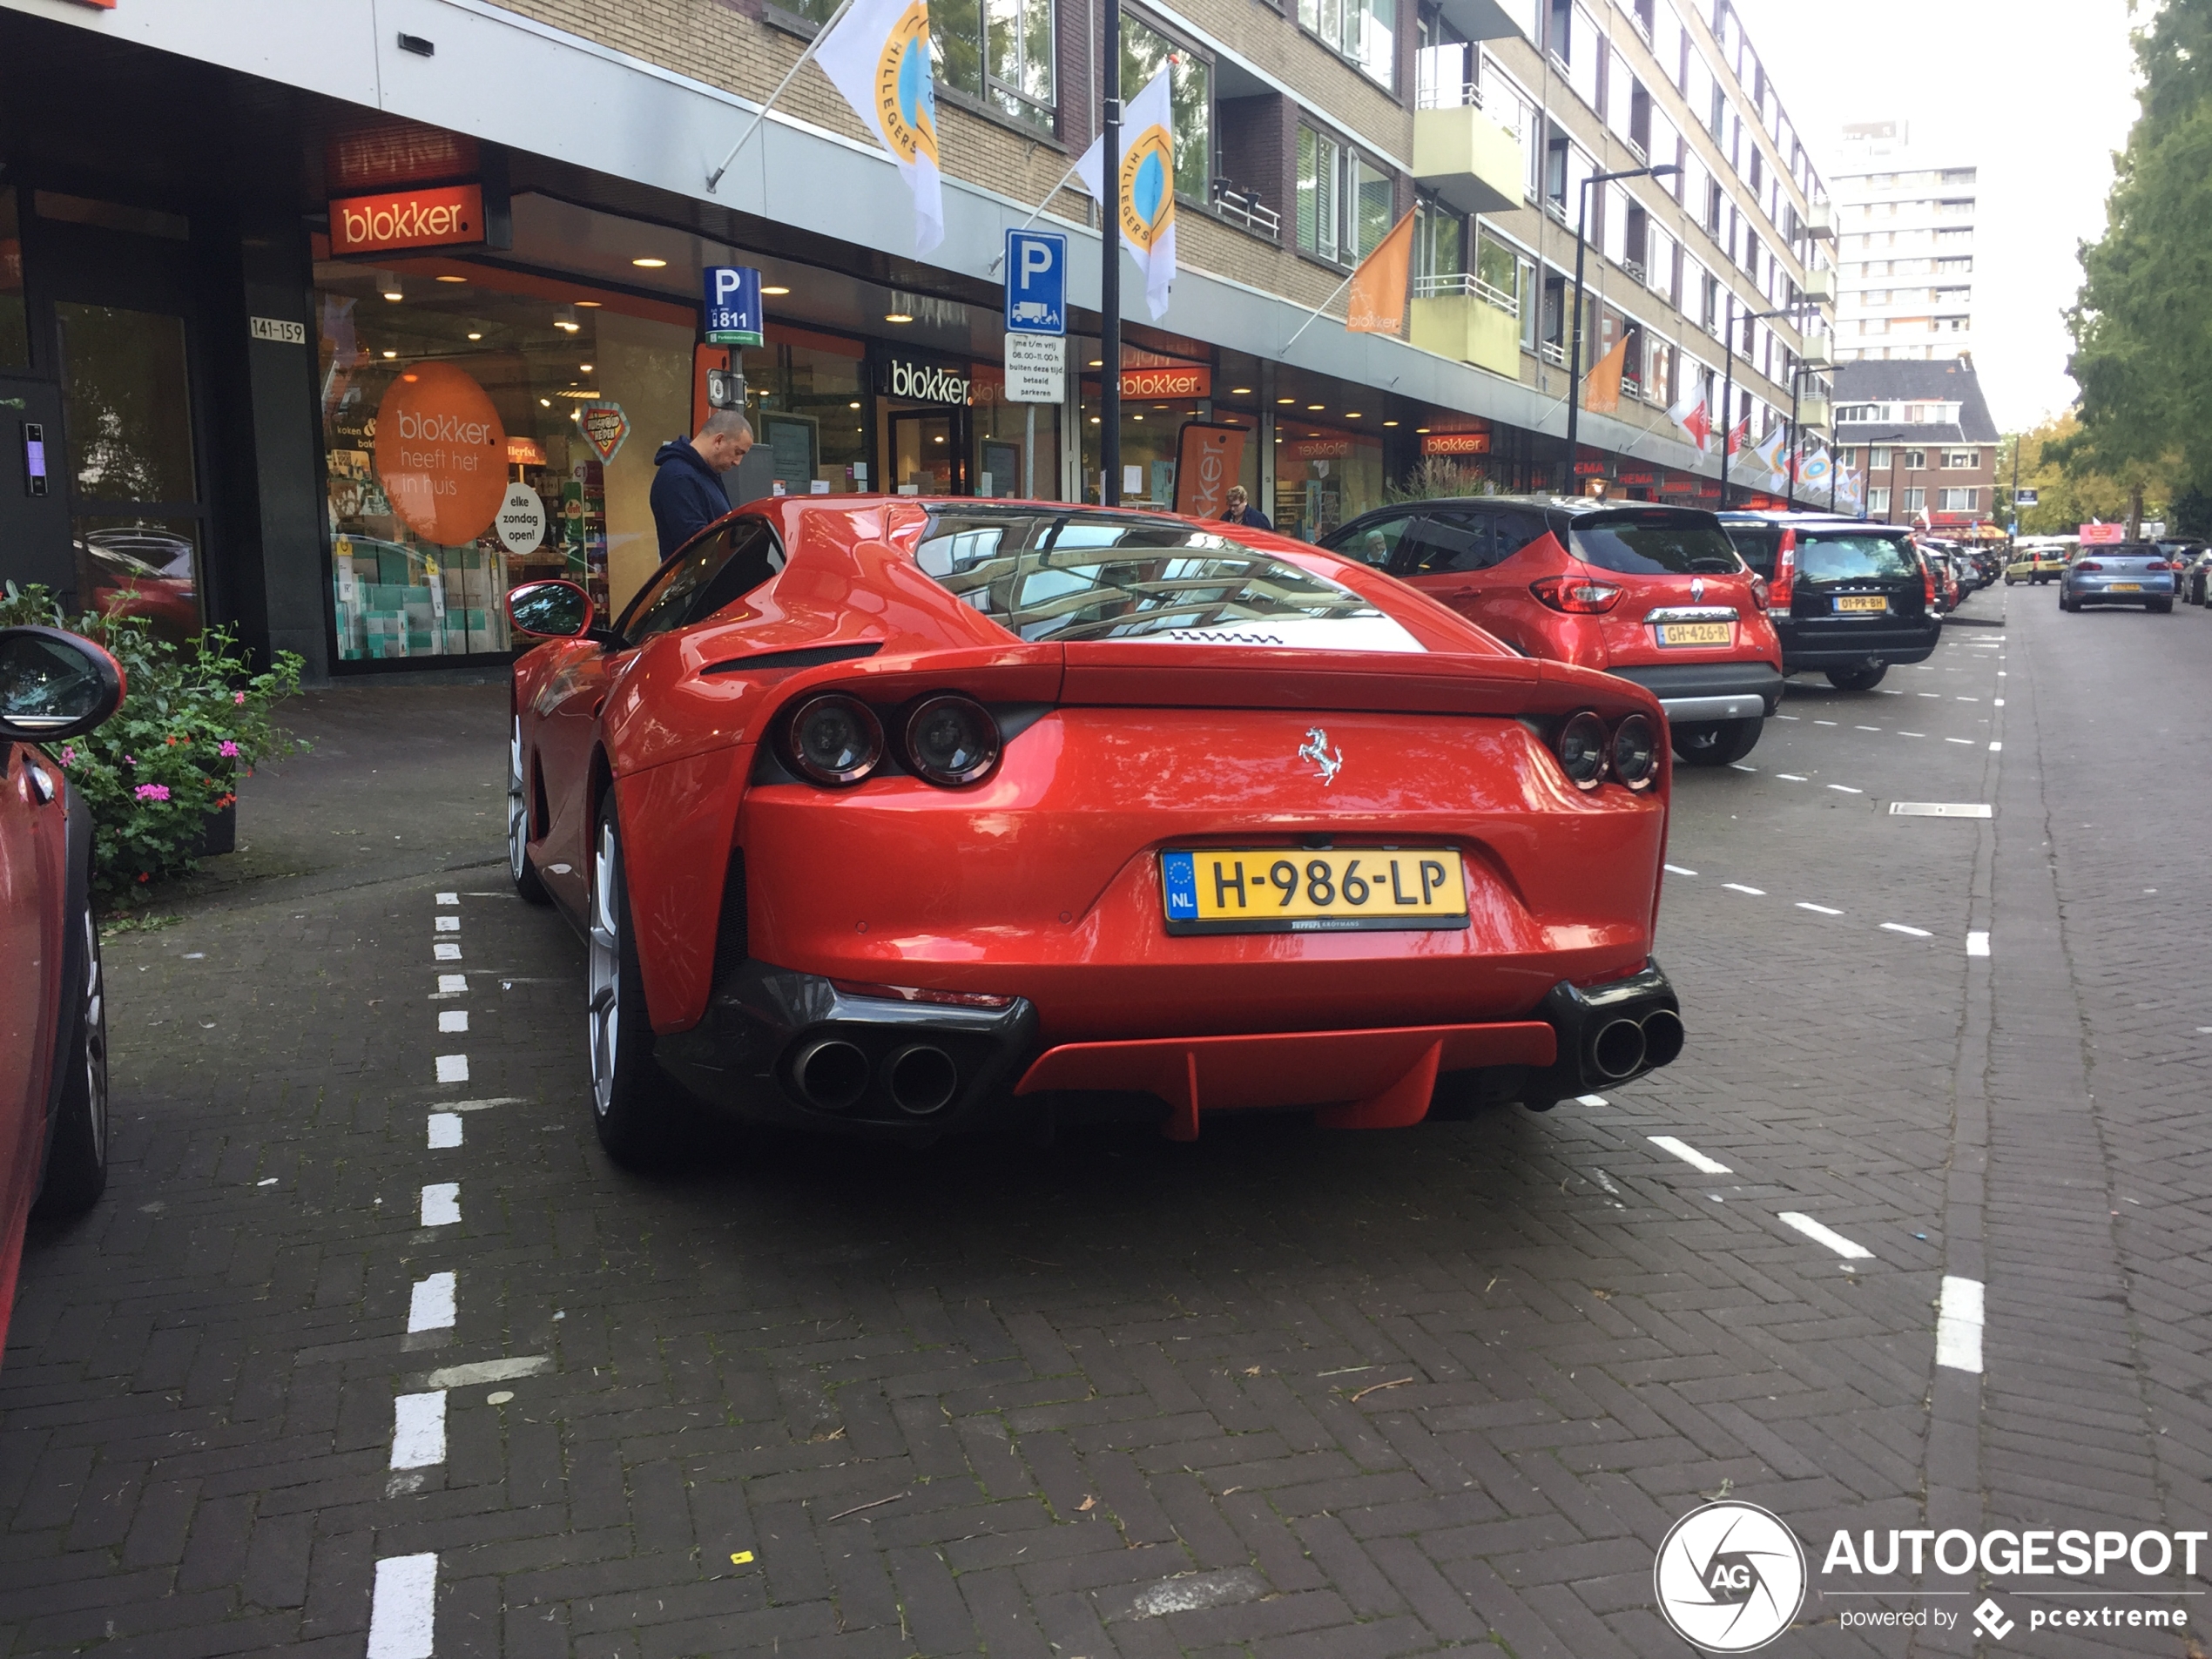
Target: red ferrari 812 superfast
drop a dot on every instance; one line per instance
(907, 817)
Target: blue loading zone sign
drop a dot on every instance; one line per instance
(733, 310)
(1037, 282)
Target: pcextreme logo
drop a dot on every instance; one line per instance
(1730, 1577)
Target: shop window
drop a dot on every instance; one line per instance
(543, 401)
(1343, 203)
(15, 333)
(1363, 32)
(1324, 480)
(1190, 93)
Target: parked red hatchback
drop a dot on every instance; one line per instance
(1653, 594)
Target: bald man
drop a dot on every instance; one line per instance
(687, 492)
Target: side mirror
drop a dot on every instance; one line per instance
(554, 610)
(54, 684)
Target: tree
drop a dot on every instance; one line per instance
(2142, 322)
(2071, 491)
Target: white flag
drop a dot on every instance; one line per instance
(878, 57)
(1147, 191)
(1690, 415)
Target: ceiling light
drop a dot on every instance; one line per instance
(898, 316)
(453, 279)
(1390, 423)
(852, 406)
(1240, 391)
(1137, 417)
(545, 403)
(1098, 362)
(1351, 415)
(1286, 399)
(393, 292)
(475, 333)
(1093, 420)
(586, 368)
(1159, 406)
(1421, 428)
(591, 304)
(1312, 407)
(410, 379)
(775, 290)
(649, 263)
(940, 438)
(391, 354)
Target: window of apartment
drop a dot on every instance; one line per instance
(1189, 95)
(1670, 44)
(1858, 413)
(1916, 460)
(1363, 32)
(1916, 501)
(1507, 273)
(1343, 200)
(1878, 501)
(1659, 264)
(1958, 501)
(1446, 65)
(1880, 459)
(1583, 62)
(1709, 304)
(1439, 247)
(1566, 165)
(1961, 459)
(998, 51)
(1716, 207)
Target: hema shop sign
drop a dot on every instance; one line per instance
(923, 382)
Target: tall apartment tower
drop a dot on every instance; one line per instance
(1905, 249)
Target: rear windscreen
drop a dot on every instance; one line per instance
(1654, 543)
(1757, 544)
(1855, 558)
(1069, 576)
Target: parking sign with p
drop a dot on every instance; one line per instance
(732, 307)
(1037, 282)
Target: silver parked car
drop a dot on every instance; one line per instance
(2133, 573)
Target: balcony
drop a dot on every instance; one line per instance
(1491, 19)
(1472, 162)
(1242, 207)
(1820, 221)
(1820, 287)
(1462, 317)
(1814, 355)
(1815, 412)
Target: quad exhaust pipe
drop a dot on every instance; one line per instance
(1609, 1034)
(920, 1079)
(831, 1074)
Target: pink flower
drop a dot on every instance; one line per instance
(153, 792)
(130, 760)
(238, 697)
(69, 754)
(228, 750)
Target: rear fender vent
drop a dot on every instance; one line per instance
(732, 946)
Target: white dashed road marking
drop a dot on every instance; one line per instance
(1820, 1235)
(445, 1130)
(1737, 886)
(402, 1612)
(1914, 933)
(445, 951)
(453, 1019)
(1996, 747)
(453, 1067)
(442, 1203)
(1977, 944)
(449, 924)
(419, 1430)
(1691, 1155)
(1790, 777)
(452, 981)
(1677, 869)
(448, 898)
(1846, 789)
(430, 1307)
(1959, 1320)
(1818, 910)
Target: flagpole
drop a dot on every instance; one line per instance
(999, 258)
(1109, 261)
(804, 58)
(1318, 310)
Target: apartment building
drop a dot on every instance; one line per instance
(181, 180)
(1905, 250)
(1921, 436)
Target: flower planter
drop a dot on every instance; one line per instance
(219, 833)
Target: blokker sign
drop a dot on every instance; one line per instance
(924, 383)
(443, 217)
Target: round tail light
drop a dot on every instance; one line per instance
(1635, 751)
(835, 739)
(952, 740)
(1581, 750)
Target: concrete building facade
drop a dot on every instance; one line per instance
(1905, 249)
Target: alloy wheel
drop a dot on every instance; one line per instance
(95, 1040)
(518, 817)
(604, 1013)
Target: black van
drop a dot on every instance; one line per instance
(1844, 595)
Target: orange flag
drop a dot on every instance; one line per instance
(1603, 393)
(1378, 304)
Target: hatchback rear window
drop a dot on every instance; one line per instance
(1855, 558)
(1070, 577)
(1758, 546)
(1654, 544)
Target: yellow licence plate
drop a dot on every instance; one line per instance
(1296, 890)
(1862, 602)
(2123, 587)
(1696, 633)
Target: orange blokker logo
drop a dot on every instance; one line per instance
(436, 218)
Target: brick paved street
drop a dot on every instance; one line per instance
(364, 1290)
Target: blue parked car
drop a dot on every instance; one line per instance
(2133, 573)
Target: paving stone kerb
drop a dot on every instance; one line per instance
(1281, 1391)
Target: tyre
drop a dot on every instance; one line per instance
(1716, 743)
(527, 886)
(634, 1106)
(2008, 578)
(1856, 679)
(76, 1172)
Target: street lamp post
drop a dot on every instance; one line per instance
(1728, 395)
(1665, 169)
(1109, 262)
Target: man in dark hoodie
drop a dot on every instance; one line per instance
(687, 492)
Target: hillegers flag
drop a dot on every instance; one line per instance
(878, 57)
(1146, 198)
(1691, 417)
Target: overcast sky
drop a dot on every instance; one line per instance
(2037, 93)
